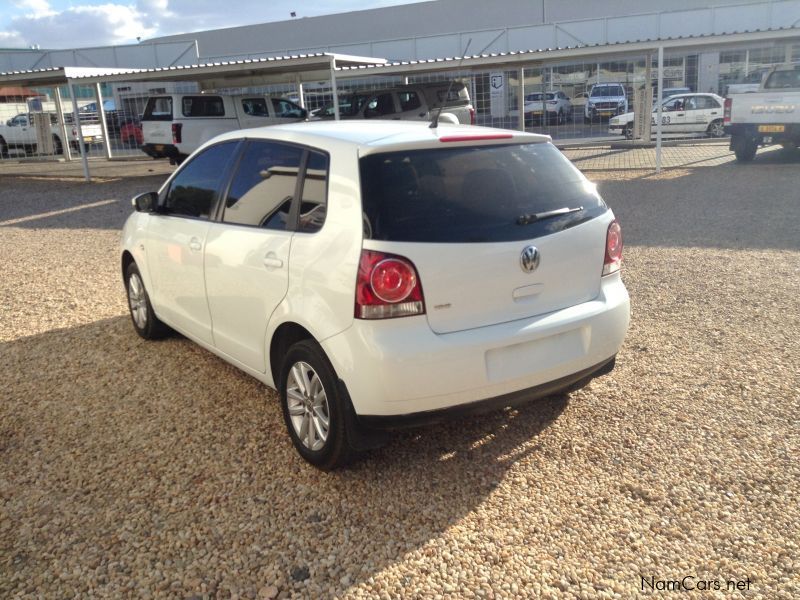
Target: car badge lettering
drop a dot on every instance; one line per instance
(529, 259)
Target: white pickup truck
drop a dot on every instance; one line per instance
(19, 134)
(769, 116)
(175, 125)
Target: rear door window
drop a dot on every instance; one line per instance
(264, 185)
(380, 106)
(203, 106)
(158, 108)
(314, 199)
(255, 107)
(472, 194)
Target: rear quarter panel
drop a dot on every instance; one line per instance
(323, 265)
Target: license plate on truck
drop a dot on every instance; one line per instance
(770, 129)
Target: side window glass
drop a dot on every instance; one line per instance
(314, 204)
(255, 107)
(409, 101)
(692, 104)
(262, 190)
(203, 106)
(380, 106)
(195, 189)
(286, 109)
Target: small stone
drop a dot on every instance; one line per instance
(300, 573)
(268, 592)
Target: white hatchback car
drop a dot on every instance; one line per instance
(680, 114)
(382, 274)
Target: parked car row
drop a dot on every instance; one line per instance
(174, 125)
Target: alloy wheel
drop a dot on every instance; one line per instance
(716, 129)
(137, 300)
(307, 403)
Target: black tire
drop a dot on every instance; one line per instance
(146, 323)
(561, 117)
(3, 148)
(745, 150)
(58, 148)
(130, 141)
(587, 119)
(628, 132)
(308, 358)
(715, 129)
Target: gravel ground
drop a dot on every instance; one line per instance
(135, 469)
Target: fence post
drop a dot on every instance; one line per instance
(73, 90)
(521, 98)
(658, 118)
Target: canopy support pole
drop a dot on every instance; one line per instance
(101, 114)
(334, 90)
(658, 117)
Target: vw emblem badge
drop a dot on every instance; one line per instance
(529, 259)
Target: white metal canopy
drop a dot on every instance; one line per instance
(225, 74)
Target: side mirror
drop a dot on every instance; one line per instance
(146, 202)
(303, 113)
(9, 123)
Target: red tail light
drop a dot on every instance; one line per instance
(387, 286)
(471, 116)
(176, 133)
(613, 259)
(727, 113)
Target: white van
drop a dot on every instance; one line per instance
(175, 125)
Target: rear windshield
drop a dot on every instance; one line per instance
(159, 108)
(788, 79)
(472, 194)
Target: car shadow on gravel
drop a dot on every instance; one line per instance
(50, 203)
(751, 206)
(171, 470)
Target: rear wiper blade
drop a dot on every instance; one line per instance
(528, 219)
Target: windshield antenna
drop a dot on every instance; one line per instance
(435, 121)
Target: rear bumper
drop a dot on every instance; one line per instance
(400, 366)
(561, 385)
(160, 150)
(750, 131)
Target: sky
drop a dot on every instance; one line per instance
(86, 23)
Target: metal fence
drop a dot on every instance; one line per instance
(106, 119)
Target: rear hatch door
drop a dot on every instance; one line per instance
(497, 233)
(157, 120)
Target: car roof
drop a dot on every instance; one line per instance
(381, 135)
(685, 94)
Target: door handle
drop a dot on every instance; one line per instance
(714, 112)
(195, 245)
(271, 261)
(681, 115)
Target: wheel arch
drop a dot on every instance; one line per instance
(285, 335)
(127, 259)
